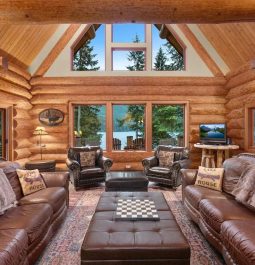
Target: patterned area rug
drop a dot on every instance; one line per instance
(64, 249)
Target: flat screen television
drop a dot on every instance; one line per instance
(214, 133)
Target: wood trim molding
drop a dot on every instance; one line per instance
(201, 50)
(60, 45)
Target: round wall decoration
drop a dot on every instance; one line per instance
(51, 117)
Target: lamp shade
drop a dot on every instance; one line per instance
(40, 131)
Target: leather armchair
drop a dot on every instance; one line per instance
(87, 176)
(171, 175)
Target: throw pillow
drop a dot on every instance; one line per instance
(166, 158)
(88, 159)
(244, 190)
(7, 195)
(210, 178)
(30, 181)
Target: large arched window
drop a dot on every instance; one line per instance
(128, 47)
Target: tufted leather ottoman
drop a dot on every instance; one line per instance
(126, 181)
(133, 242)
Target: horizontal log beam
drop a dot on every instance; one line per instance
(13, 78)
(238, 91)
(247, 66)
(114, 11)
(11, 88)
(132, 90)
(64, 99)
(128, 80)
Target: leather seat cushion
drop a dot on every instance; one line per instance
(194, 194)
(110, 240)
(159, 171)
(34, 218)
(107, 239)
(13, 246)
(55, 196)
(215, 211)
(92, 172)
(239, 240)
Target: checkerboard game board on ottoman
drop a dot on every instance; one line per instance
(114, 242)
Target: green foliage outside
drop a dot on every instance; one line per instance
(87, 122)
(84, 59)
(137, 58)
(171, 55)
(167, 122)
(134, 120)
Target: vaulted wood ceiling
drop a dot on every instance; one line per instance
(22, 43)
(235, 42)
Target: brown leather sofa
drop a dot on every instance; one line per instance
(87, 176)
(25, 230)
(170, 176)
(226, 224)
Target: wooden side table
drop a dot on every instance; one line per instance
(222, 153)
(41, 165)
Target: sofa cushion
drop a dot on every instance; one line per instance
(239, 240)
(160, 171)
(210, 178)
(194, 194)
(233, 169)
(92, 172)
(244, 191)
(34, 218)
(215, 211)
(55, 196)
(13, 246)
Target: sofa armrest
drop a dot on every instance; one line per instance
(57, 179)
(72, 164)
(188, 178)
(105, 163)
(149, 162)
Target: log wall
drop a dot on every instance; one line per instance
(15, 96)
(206, 97)
(241, 91)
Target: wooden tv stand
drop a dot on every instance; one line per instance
(222, 153)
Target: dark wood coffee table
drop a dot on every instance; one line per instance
(109, 241)
(126, 181)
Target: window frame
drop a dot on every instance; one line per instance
(148, 120)
(73, 116)
(145, 122)
(249, 141)
(4, 140)
(111, 46)
(185, 117)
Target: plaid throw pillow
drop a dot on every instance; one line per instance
(165, 158)
(88, 159)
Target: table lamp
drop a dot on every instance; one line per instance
(40, 131)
